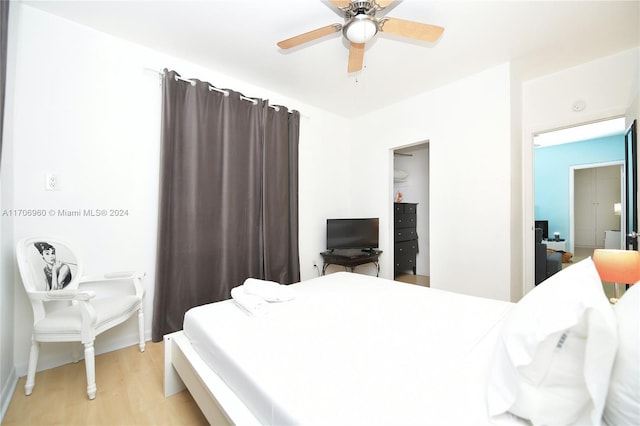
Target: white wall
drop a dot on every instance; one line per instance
(86, 109)
(609, 88)
(8, 375)
(518, 229)
(470, 193)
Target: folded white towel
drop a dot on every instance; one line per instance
(252, 305)
(270, 291)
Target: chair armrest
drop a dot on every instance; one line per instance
(70, 295)
(62, 295)
(113, 276)
(135, 277)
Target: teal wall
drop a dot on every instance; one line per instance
(551, 176)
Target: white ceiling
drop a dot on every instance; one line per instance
(238, 38)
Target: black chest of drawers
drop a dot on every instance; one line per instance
(405, 237)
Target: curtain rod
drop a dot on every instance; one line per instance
(215, 89)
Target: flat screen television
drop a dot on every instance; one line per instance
(352, 233)
(544, 225)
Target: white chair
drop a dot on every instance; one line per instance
(63, 312)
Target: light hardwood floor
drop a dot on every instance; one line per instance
(413, 279)
(130, 392)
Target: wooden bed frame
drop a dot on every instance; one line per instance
(183, 368)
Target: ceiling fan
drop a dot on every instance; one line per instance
(361, 25)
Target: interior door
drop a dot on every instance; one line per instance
(631, 167)
(584, 223)
(595, 191)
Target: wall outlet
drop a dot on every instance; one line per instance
(51, 182)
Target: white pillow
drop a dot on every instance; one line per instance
(554, 356)
(623, 400)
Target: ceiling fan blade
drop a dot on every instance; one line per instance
(356, 57)
(384, 3)
(309, 36)
(340, 3)
(411, 29)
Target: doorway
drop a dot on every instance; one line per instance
(557, 155)
(411, 202)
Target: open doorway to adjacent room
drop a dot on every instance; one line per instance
(411, 214)
(579, 187)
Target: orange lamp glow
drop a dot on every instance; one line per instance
(617, 266)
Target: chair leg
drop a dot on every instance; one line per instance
(141, 328)
(89, 360)
(31, 369)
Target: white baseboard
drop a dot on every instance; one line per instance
(7, 392)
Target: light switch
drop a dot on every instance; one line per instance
(52, 182)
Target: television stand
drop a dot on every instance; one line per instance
(350, 258)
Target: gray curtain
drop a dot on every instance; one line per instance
(228, 197)
(280, 196)
(4, 30)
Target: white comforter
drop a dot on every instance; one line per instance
(352, 349)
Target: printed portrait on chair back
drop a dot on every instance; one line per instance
(58, 265)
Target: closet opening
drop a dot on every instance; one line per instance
(410, 227)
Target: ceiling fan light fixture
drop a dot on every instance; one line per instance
(360, 29)
(361, 26)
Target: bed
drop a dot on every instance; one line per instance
(349, 349)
